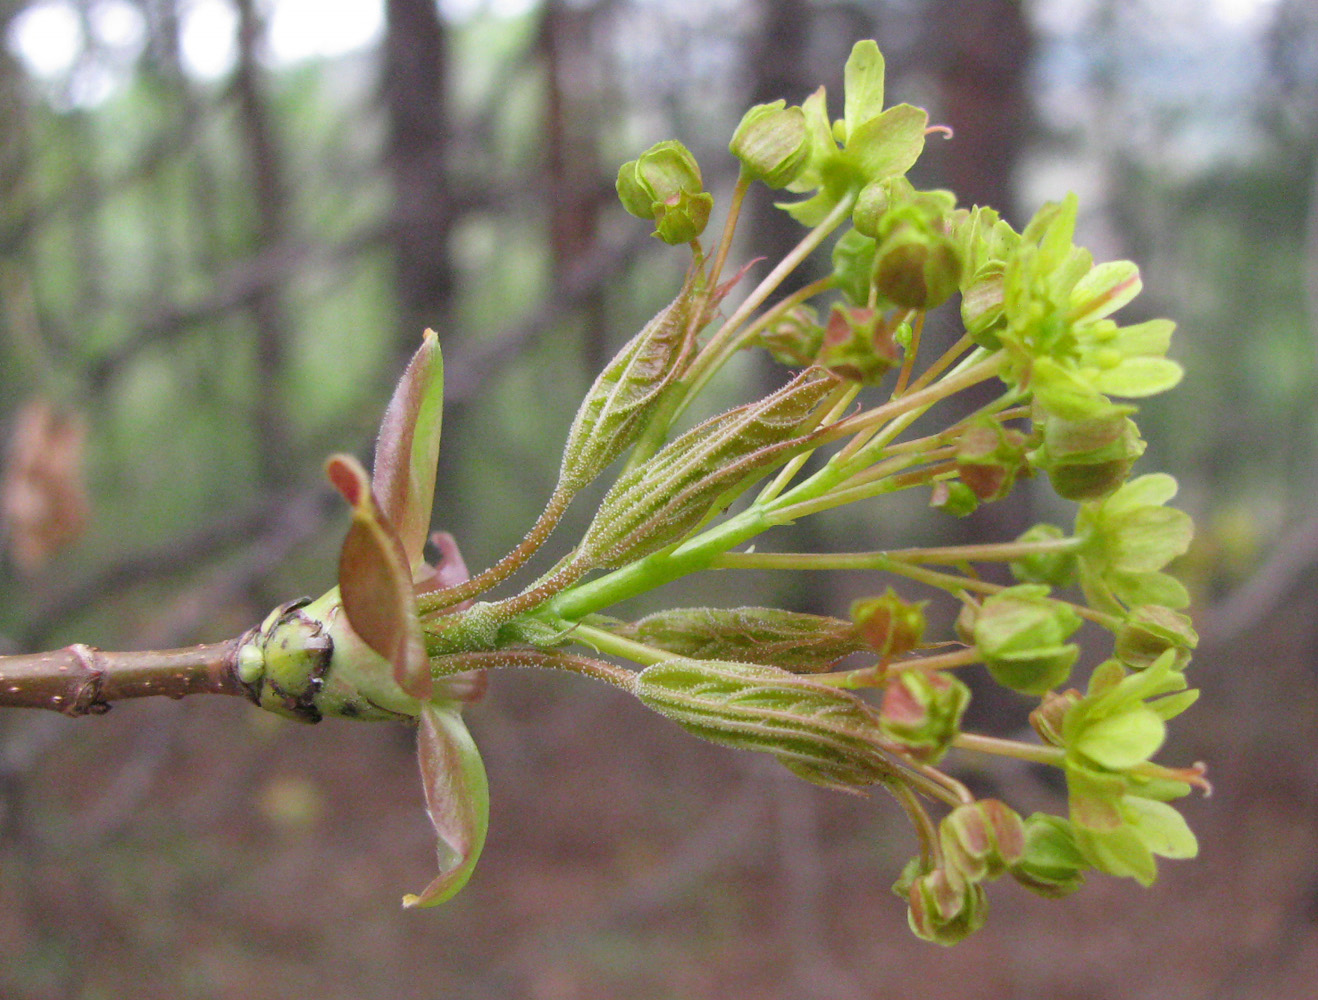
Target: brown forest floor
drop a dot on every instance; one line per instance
(201, 849)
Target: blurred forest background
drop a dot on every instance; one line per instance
(223, 225)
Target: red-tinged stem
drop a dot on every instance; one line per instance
(81, 680)
(491, 659)
(435, 600)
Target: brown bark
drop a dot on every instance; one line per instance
(415, 95)
(81, 680)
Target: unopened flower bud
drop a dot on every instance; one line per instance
(981, 840)
(771, 143)
(889, 625)
(1046, 720)
(1051, 863)
(872, 204)
(953, 497)
(982, 306)
(989, 457)
(859, 344)
(1087, 459)
(922, 712)
(795, 339)
(664, 184)
(945, 908)
(1022, 634)
(1150, 631)
(1057, 569)
(917, 268)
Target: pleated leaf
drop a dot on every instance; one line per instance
(819, 732)
(617, 406)
(656, 503)
(801, 643)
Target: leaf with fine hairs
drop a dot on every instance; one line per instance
(616, 408)
(375, 582)
(457, 799)
(658, 502)
(407, 450)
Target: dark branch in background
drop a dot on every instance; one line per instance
(416, 102)
(272, 527)
(265, 166)
(276, 517)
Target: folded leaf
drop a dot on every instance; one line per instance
(657, 503)
(457, 799)
(617, 406)
(407, 450)
(375, 582)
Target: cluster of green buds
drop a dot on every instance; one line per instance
(871, 700)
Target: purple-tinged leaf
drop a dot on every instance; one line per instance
(375, 582)
(407, 450)
(457, 799)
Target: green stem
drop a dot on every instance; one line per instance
(951, 555)
(718, 349)
(880, 673)
(1032, 752)
(729, 227)
(603, 641)
(491, 659)
(427, 603)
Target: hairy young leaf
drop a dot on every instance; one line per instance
(801, 643)
(821, 733)
(615, 409)
(656, 503)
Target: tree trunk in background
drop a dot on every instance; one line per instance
(269, 193)
(570, 132)
(415, 95)
(982, 52)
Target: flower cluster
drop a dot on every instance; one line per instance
(848, 703)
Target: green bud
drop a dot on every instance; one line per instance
(982, 310)
(1051, 864)
(989, 457)
(771, 143)
(853, 266)
(917, 268)
(283, 664)
(872, 204)
(1088, 458)
(1151, 630)
(981, 840)
(859, 344)
(1057, 569)
(944, 908)
(795, 339)
(820, 732)
(801, 643)
(685, 220)
(1047, 719)
(922, 710)
(1020, 632)
(954, 497)
(664, 185)
(889, 625)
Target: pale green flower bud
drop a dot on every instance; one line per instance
(771, 143)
